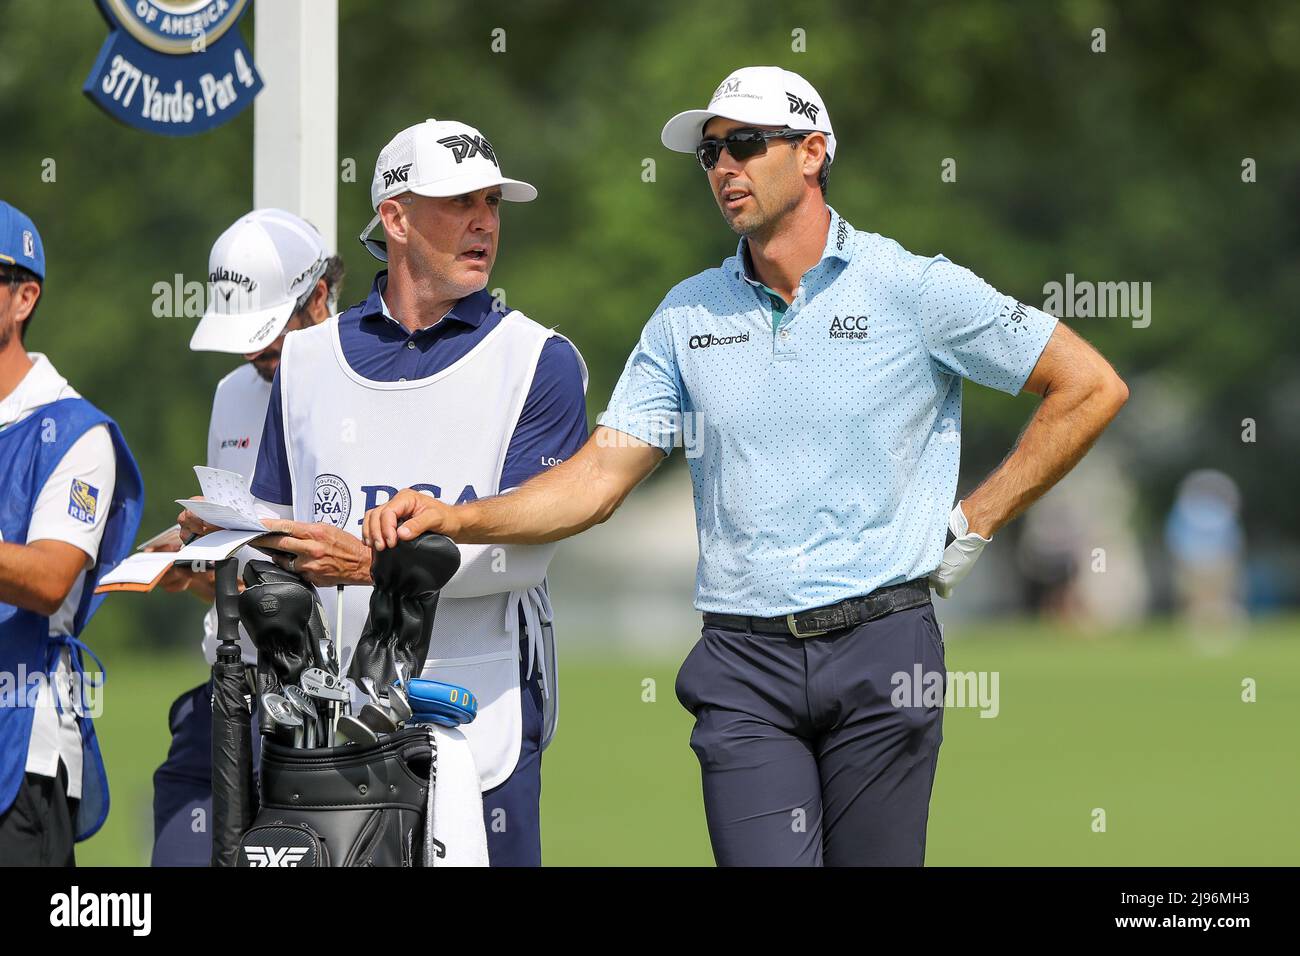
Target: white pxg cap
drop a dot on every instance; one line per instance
(760, 95)
(259, 270)
(437, 158)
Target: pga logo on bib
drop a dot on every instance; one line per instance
(331, 502)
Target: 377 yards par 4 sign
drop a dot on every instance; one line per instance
(174, 67)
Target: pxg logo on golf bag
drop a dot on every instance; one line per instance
(464, 146)
(397, 175)
(278, 856)
(801, 107)
(331, 502)
(269, 605)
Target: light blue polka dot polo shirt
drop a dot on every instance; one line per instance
(823, 438)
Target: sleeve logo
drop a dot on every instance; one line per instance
(83, 501)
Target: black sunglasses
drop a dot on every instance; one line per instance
(743, 144)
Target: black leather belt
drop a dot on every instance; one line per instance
(833, 617)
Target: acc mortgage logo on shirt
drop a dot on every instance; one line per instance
(331, 502)
(174, 67)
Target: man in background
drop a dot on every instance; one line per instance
(269, 275)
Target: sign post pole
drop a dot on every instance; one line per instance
(295, 119)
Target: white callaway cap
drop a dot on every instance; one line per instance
(437, 158)
(259, 268)
(761, 96)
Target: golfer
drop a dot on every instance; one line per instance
(819, 370)
(269, 274)
(72, 501)
(432, 383)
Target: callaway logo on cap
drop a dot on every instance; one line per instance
(437, 158)
(258, 271)
(757, 95)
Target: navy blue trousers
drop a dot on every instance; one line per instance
(809, 756)
(182, 803)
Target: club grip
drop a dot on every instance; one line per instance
(227, 603)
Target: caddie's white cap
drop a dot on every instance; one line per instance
(258, 271)
(437, 158)
(761, 95)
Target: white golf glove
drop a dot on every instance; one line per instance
(959, 557)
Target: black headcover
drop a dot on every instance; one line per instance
(282, 616)
(407, 580)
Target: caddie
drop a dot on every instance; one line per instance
(430, 382)
(269, 274)
(69, 513)
(820, 371)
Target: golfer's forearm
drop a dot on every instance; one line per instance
(563, 501)
(1063, 428)
(31, 580)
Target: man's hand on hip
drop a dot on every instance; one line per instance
(406, 515)
(959, 557)
(321, 553)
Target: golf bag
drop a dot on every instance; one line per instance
(361, 804)
(345, 806)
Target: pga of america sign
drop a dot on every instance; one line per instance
(175, 67)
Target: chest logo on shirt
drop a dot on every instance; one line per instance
(708, 340)
(332, 502)
(83, 501)
(236, 442)
(849, 327)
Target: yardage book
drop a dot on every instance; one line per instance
(226, 503)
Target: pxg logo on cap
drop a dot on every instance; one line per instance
(755, 96)
(437, 158)
(467, 147)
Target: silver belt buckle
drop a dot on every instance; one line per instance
(794, 628)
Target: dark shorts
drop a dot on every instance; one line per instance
(807, 753)
(37, 829)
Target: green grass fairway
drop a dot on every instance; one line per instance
(1139, 725)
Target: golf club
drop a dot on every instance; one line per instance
(353, 731)
(398, 705)
(281, 720)
(377, 719)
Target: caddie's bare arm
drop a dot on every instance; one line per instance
(38, 576)
(561, 501)
(1081, 395)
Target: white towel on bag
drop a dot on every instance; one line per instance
(454, 830)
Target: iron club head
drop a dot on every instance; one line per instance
(353, 731)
